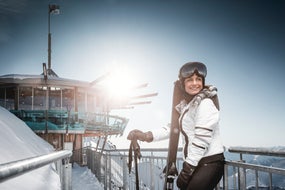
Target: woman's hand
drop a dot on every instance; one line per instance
(185, 175)
(139, 135)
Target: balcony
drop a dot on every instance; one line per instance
(56, 121)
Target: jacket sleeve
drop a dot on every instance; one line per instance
(164, 132)
(206, 120)
(161, 134)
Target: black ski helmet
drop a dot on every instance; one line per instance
(188, 69)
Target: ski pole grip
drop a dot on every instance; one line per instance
(172, 170)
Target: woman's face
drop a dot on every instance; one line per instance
(193, 85)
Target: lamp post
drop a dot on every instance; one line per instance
(52, 9)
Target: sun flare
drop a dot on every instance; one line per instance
(120, 83)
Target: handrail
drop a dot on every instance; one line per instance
(19, 167)
(257, 151)
(279, 171)
(142, 149)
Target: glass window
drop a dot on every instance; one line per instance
(25, 98)
(55, 98)
(10, 98)
(81, 102)
(40, 98)
(2, 97)
(90, 103)
(68, 99)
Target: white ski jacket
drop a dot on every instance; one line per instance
(199, 126)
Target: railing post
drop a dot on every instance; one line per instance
(64, 170)
(109, 168)
(89, 158)
(152, 173)
(257, 178)
(270, 180)
(67, 175)
(225, 178)
(242, 178)
(93, 164)
(84, 157)
(242, 174)
(104, 175)
(125, 173)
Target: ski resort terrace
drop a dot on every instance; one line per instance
(111, 168)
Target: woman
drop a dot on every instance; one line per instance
(203, 164)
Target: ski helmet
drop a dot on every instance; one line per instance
(188, 69)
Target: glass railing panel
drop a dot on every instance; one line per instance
(40, 120)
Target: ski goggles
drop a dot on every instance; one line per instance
(189, 69)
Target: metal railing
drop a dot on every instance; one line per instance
(111, 169)
(20, 167)
(242, 175)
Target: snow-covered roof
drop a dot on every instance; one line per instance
(39, 79)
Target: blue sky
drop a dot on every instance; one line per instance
(241, 42)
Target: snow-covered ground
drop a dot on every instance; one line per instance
(18, 141)
(83, 178)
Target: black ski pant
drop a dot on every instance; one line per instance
(208, 173)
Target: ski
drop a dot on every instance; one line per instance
(171, 169)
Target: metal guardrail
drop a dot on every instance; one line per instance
(110, 167)
(257, 151)
(242, 170)
(20, 167)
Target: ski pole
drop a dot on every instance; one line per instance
(137, 155)
(136, 149)
(171, 174)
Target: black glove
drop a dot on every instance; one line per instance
(139, 135)
(185, 175)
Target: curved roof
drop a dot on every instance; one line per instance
(40, 80)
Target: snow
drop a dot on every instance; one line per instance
(18, 141)
(83, 177)
(20, 77)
